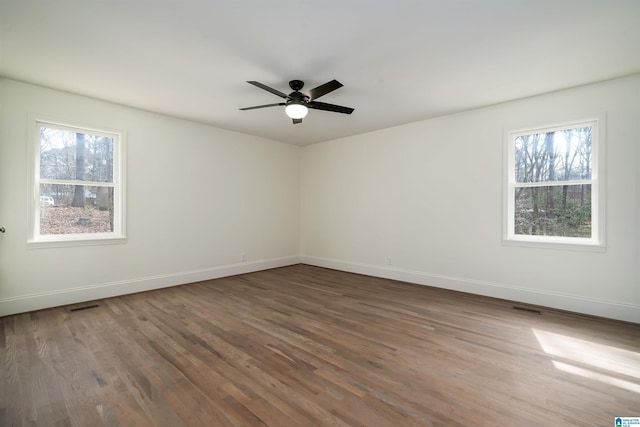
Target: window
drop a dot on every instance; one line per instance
(553, 188)
(77, 190)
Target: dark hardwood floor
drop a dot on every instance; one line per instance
(306, 346)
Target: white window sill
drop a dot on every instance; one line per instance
(74, 240)
(556, 244)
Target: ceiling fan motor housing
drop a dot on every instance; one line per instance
(297, 98)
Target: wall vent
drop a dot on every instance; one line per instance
(528, 310)
(84, 307)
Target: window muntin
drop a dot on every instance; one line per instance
(78, 183)
(553, 186)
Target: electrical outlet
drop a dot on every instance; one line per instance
(389, 260)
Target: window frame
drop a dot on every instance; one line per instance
(597, 240)
(118, 235)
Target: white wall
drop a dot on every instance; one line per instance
(429, 195)
(197, 197)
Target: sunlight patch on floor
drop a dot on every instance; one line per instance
(603, 357)
(606, 379)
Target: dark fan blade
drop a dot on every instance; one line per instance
(296, 121)
(268, 89)
(329, 107)
(262, 106)
(324, 89)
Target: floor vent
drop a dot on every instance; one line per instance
(85, 307)
(529, 310)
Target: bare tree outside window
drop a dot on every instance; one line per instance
(552, 184)
(76, 181)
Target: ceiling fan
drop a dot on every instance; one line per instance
(298, 103)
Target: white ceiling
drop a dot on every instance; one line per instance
(399, 60)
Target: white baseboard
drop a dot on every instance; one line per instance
(25, 303)
(601, 308)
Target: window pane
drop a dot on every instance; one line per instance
(70, 155)
(561, 210)
(561, 155)
(70, 209)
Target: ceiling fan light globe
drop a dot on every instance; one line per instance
(296, 111)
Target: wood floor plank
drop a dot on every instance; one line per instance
(307, 346)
